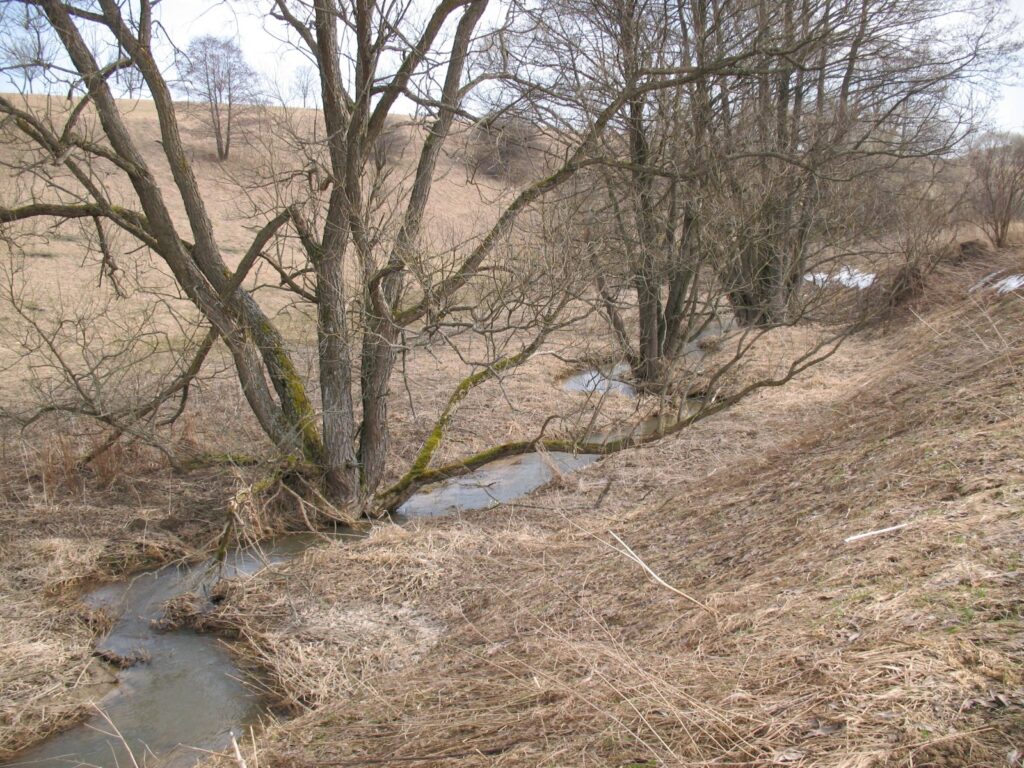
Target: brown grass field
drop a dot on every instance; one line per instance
(694, 602)
(526, 636)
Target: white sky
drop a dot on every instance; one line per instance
(1008, 111)
(185, 19)
(273, 58)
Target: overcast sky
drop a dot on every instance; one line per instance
(278, 61)
(259, 41)
(1009, 110)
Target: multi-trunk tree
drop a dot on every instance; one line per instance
(718, 195)
(213, 71)
(715, 135)
(357, 278)
(996, 186)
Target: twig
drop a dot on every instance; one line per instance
(869, 534)
(628, 552)
(422, 758)
(238, 753)
(117, 734)
(255, 752)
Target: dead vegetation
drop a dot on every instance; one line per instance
(521, 636)
(65, 527)
(527, 636)
(823, 575)
(546, 646)
(60, 533)
(506, 148)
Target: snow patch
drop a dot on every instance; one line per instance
(1004, 284)
(844, 276)
(1011, 283)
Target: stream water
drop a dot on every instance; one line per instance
(185, 696)
(614, 379)
(184, 688)
(602, 380)
(495, 483)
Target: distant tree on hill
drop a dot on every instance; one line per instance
(997, 184)
(213, 71)
(26, 50)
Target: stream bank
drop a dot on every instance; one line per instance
(180, 694)
(541, 642)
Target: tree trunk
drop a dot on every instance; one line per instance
(651, 321)
(378, 362)
(341, 478)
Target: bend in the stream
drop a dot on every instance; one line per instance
(187, 690)
(183, 689)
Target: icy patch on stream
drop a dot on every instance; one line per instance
(596, 380)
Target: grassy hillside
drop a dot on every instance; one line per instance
(63, 529)
(53, 285)
(697, 601)
(529, 636)
(57, 270)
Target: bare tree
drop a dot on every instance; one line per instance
(368, 285)
(214, 71)
(659, 141)
(722, 193)
(26, 48)
(996, 195)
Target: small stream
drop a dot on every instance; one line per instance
(600, 380)
(184, 688)
(185, 695)
(614, 378)
(495, 483)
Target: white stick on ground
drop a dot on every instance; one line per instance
(238, 753)
(879, 532)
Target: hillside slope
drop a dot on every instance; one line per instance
(57, 271)
(528, 636)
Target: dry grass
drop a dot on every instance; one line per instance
(46, 669)
(59, 534)
(525, 636)
(63, 528)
